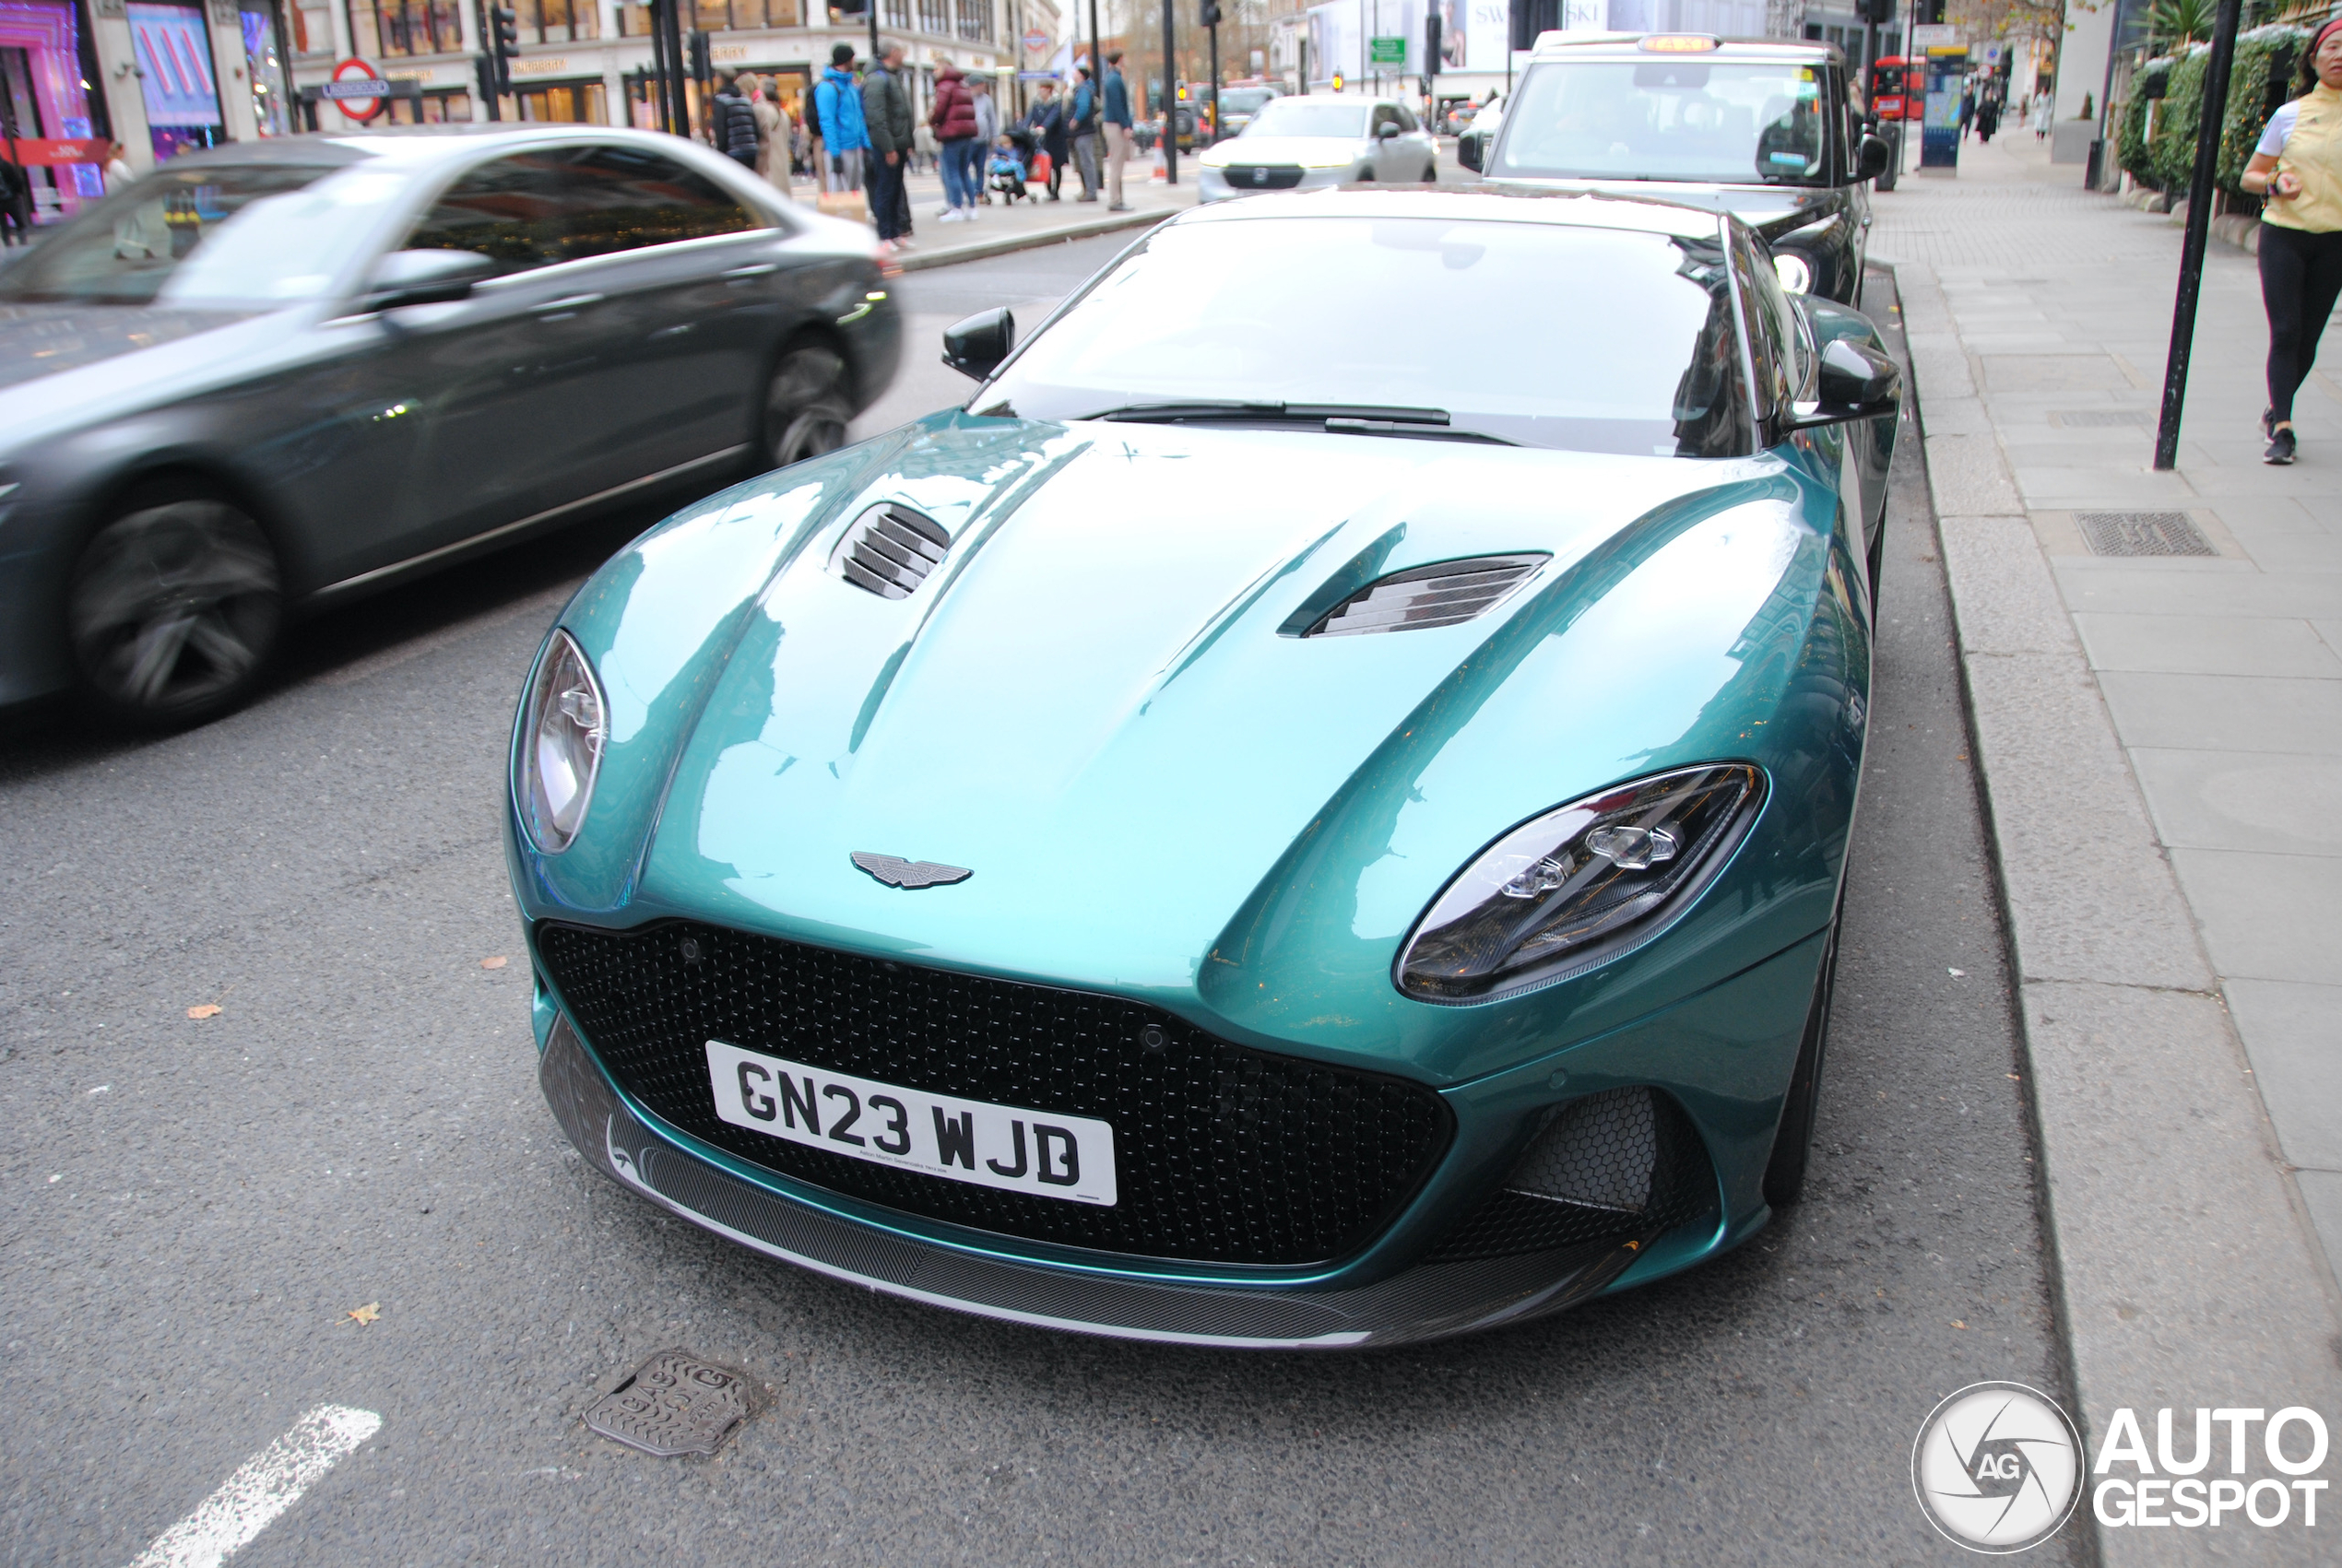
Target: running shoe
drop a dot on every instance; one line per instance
(2280, 452)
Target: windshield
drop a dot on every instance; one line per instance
(1244, 100)
(1675, 119)
(1589, 339)
(211, 234)
(1308, 117)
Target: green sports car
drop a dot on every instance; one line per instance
(1310, 812)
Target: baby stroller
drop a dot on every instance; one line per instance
(1004, 172)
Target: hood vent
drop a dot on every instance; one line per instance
(889, 551)
(1443, 595)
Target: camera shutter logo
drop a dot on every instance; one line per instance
(1997, 1467)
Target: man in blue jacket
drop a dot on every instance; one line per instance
(1117, 131)
(837, 109)
(1081, 130)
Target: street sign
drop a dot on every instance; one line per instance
(357, 90)
(1036, 42)
(1935, 35)
(1387, 51)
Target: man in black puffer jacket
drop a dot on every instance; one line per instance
(731, 122)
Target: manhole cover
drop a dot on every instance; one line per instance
(674, 1404)
(2099, 419)
(2143, 532)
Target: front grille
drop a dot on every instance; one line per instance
(1623, 1165)
(1264, 176)
(1222, 1155)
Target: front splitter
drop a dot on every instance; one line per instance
(1430, 1302)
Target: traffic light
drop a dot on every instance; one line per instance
(1881, 11)
(1431, 45)
(506, 22)
(702, 62)
(1337, 81)
(1209, 15)
(1531, 17)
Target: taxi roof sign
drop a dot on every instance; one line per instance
(1677, 43)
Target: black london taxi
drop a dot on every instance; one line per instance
(1764, 130)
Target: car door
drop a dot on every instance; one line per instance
(1393, 161)
(522, 415)
(689, 273)
(1423, 152)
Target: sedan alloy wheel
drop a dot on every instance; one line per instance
(172, 610)
(806, 408)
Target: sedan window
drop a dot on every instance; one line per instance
(515, 211)
(213, 234)
(627, 198)
(556, 205)
(1256, 315)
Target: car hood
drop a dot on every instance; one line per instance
(1097, 704)
(1303, 150)
(46, 340)
(62, 364)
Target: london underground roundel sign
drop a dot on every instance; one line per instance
(358, 90)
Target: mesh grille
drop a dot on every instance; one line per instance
(1222, 1155)
(889, 551)
(2143, 532)
(1444, 595)
(1619, 1166)
(1264, 176)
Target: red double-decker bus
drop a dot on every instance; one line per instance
(1898, 88)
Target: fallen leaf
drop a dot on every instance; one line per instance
(496, 962)
(209, 1010)
(366, 1313)
(1958, 1324)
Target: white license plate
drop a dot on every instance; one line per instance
(1046, 1153)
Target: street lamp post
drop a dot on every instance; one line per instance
(2199, 225)
(1170, 100)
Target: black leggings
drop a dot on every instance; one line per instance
(2300, 279)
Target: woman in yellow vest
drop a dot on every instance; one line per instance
(2297, 165)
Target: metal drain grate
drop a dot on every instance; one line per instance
(675, 1403)
(2143, 532)
(2099, 419)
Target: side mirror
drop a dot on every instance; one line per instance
(1857, 382)
(1872, 161)
(975, 346)
(1387, 130)
(425, 277)
(1468, 153)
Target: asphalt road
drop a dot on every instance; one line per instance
(190, 1207)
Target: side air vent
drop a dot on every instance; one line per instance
(889, 551)
(1443, 595)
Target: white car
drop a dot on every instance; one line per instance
(1320, 140)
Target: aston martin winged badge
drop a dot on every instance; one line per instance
(897, 872)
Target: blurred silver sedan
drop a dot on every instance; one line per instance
(271, 377)
(1294, 143)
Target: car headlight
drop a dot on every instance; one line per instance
(1579, 885)
(1795, 273)
(562, 739)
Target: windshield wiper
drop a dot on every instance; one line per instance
(1235, 408)
(1340, 418)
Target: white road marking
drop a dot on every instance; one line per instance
(269, 1482)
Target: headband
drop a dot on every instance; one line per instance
(2319, 37)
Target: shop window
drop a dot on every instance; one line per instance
(897, 14)
(976, 20)
(313, 30)
(559, 21)
(934, 16)
(564, 104)
(401, 27)
(436, 109)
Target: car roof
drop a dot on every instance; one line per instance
(1629, 46)
(1565, 210)
(415, 146)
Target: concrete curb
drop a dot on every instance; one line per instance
(1005, 245)
(2185, 1270)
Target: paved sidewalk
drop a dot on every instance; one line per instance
(2162, 742)
(1000, 229)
